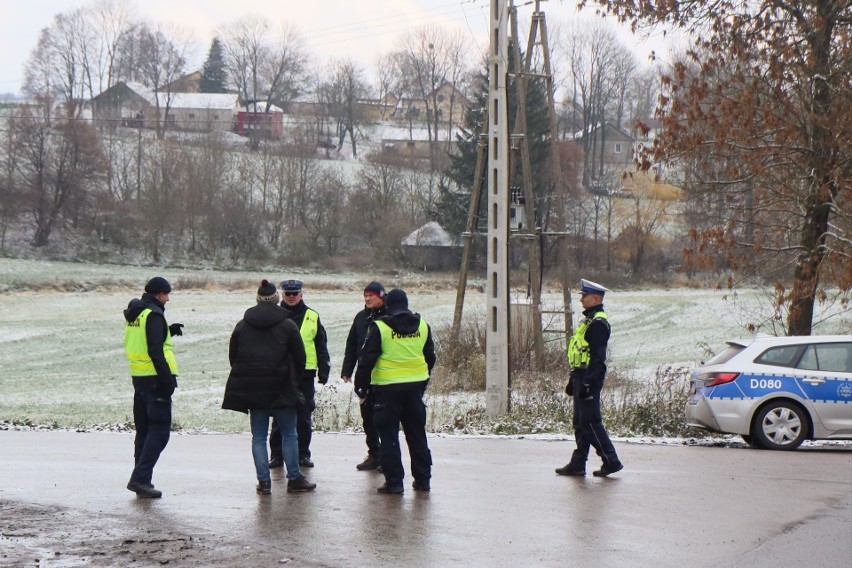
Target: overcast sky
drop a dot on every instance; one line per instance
(361, 29)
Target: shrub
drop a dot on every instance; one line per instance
(538, 404)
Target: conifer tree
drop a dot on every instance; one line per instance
(214, 77)
(453, 203)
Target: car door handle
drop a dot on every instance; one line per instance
(813, 380)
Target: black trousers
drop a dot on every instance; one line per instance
(304, 426)
(152, 415)
(369, 421)
(589, 430)
(392, 408)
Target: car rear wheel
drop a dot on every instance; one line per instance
(780, 425)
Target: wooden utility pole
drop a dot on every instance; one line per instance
(520, 137)
(539, 23)
(470, 228)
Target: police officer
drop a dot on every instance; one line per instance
(148, 345)
(317, 366)
(587, 359)
(395, 364)
(374, 308)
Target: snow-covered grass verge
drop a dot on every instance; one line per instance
(63, 365)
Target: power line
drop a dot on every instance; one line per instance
(449, 12)
(388, 21)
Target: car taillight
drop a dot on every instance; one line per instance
(715, 379)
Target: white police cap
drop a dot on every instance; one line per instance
(589, 287)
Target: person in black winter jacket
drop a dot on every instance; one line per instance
(374, 308)
(148, 345)
(267, 357)
(395, 364)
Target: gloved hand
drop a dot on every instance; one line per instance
(569, 388)
(322, 380)
(585, 392)
(175, 329)
(165, 387)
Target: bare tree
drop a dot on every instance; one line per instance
(262, 65)
(160, 180)
(601, 69)
(56, 168)
(326, 212)
(200, 186)
(162, 60)
(110, 21)
(75, 58)
(428, 58)
(55, 67)
(9, 207)
(344, 89)
(375, 201)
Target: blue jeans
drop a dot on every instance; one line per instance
(152, 415)
(286, 418)
(304, 429)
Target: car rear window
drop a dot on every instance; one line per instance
(725, 355)
(831, 357)
(783, 356)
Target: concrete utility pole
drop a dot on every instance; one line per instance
(497, 264)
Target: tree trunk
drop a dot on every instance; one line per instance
(823, 188)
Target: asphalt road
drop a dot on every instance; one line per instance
(494, 502)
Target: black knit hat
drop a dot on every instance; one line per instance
(158, 284)
(396, 302)
(376, 288)
(267, 292)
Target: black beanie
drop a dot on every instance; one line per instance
(376, 288)
(267, 292)
(396, 302)
(158, 284)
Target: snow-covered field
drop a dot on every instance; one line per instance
(62, 360)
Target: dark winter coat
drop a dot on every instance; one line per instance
(357, 335)
(297, 314)
(404, 323)
(267, 358)
(597, 336)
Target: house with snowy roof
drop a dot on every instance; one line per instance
(431, 247)
(134, 105)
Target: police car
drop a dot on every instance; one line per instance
(776, 392)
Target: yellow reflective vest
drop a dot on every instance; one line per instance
(578, 347)
(402, 359)
(308, 331)
(136, 347)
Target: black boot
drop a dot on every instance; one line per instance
(369, 463)
(300, 485)
(394, 489)
(608, 469)
(571, 470)
(145, 490)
